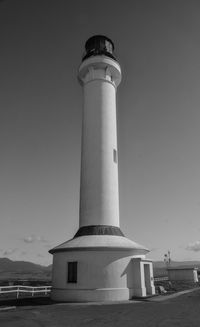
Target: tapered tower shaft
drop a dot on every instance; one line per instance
(99, 197)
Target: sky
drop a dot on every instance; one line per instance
(157, 43)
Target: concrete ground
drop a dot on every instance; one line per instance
(182, 310)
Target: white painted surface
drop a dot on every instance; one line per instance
(99, 199)
(143, 282)
(105, 267)
(101, 276)
(101, 62)
(97, 295)
(103, 242)
(189, 274)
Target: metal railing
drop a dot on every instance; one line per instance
(18, 289)
(160, 279)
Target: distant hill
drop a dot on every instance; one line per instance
(28, 270)
(7, 265)
(23, 270)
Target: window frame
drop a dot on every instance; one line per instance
(115, 159)
(72, 272)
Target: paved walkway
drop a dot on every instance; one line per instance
(182, 310)
(171, 296)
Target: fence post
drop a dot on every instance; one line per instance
(32, 291)
(17, 292)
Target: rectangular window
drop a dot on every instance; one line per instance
(115, 155)
(72, 272)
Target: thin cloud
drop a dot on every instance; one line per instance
(34, 238)
(29, 239)
(41, 239)
(193, 246)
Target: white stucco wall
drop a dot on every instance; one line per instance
(102, 275)
(99, 202)
(143, 282)
(183, 274)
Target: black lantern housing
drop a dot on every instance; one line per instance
(99, 45)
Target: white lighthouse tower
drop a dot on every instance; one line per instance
(100, 263)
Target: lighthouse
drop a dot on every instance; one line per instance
(99, 263)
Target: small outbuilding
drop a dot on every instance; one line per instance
(183, 273)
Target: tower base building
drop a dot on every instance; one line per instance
(101, 268)
(100, 263)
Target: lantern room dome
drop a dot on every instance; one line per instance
(99, 45)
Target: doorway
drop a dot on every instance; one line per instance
(147, 279)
